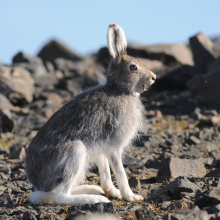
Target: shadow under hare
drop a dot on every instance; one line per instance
(93, 127)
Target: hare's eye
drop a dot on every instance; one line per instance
(133, 67)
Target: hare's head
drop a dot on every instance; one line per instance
(126, 72)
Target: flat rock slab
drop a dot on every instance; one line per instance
(174, 167)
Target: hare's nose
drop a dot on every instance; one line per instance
(153, 78)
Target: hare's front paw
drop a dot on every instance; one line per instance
(138, 197)
(113, 192)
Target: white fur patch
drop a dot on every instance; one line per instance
(116, 40)
(41, 198)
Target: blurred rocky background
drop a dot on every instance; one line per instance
(174, 164)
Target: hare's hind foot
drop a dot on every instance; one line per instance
(87, 189)
(42, 198)
(66, 199)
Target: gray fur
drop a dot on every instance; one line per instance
(101, 121)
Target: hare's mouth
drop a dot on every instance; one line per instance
(144, 88)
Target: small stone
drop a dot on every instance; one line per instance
(28, 216)
(159, 114)
(17, 151)
(144, 214)
(195, 140)
(216, 120)
(171, 207)
(134, 182)
(183, 203)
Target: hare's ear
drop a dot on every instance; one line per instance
(117, 43)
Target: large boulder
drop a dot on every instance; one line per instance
(176, 77)
(55, 49)
(5, 103)
(215, 66)
(78, 84)
(103, 57)
(166, 53)
(206, 89)
(33, 64)
(16, 84)
(203, 51)
(75, 68)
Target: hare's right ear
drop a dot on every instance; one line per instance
(117, 43)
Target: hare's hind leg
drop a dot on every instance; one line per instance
(87, 189)
(75, 168)
(105, 176)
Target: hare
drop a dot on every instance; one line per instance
(94, 127)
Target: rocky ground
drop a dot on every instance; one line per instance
(174, 164)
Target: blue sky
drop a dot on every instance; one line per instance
(27, 25)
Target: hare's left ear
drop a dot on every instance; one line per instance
(117, 43)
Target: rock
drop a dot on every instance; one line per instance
(208, 198)
(17, 151)
(152, 64)
(216, 120)
(212, 209)
(166, 53)
(215, 66)
(55, 49)
(78, 84)
(207, 146)
(194, 140)
(45, 108)
(75, 68)
(202, 48)
(214, 173)
(30, 122)
(144, 214)
(194, 214)
(182, 184)
(4, 150)
(205, 88)
(183, 203)
(33, 64)
(97, 207)
(7, 124)
(158, 192)
(16, 84)
(46, 81)
(28, 216)
(5, 103)
(176, 78)
(170, 207)
(52, 97)
(79, 213)
(175, 167)
(134, 182)
(155, 164)
(96, 217)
